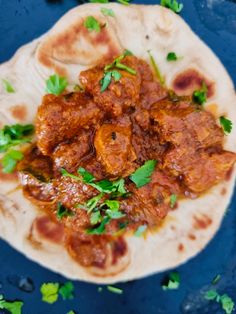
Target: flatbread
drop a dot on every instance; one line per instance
(69, 48)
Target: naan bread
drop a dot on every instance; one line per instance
(69, 48)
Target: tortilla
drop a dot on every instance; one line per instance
(69, 48)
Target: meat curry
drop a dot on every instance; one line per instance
(113, 157)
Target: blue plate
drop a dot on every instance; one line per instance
(215, 22)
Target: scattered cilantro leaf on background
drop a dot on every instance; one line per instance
(173, 282)
(56, 84)
(216, 279)
(107, 12)
(172, 5)
(67, 291)
(226, 124)
(226, 302)
(171, 56)
(14, 307)
(8, 86)
(92, 24)
(49, 292)
(114, 290)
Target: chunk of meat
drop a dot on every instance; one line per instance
(119, 96)
(182, 124)
(199, 170)
(114, 149)
(151, 203)
(60, 118)
(68, 155)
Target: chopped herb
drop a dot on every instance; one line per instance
(142, 175)
(8, 87)
(10, 159)
(106, 80)
(226, 124)
(173, 5)
(139, 232)
(92, 202)
(226, 302)
(56, 84)
(117, 63)
(13, 307)
(173, 281)
(107, 12)
(100, 289)
(13, 135)
(62, 211)
(114, 289)
(156, 69)
(87, 176)
(200, 96)
(216, 279)
(173, 200)
(100, 229)
(95, 217)
(49, 292)
(92, 24)
(67, 291)
(71, 312)
(172, 57)
(125, 2)
(125, 68)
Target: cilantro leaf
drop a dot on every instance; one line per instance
(200, 96)
(216, 279)
(140, 230)
(56, 84)
(86, 176)
(114, 290)
(8, 87)
(67, 291)
(171, 56)
(173, 281)
(100, 229)
(106, 80)
(92, 202)
(226, 302)
(125, 68)
(14, 307)
(107, 12)
(71, 312)
(49, 292)
(95, 218)
(173, 200)
(125, 2)
(92, 24)
(226, 124)
(113, 209)
(156, 69)
(62, 211)
(10, 160)
(173, 5)
(142, 175)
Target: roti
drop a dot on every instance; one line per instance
(67, 49)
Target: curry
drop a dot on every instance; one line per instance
(115, 156)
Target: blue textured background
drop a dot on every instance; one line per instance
(215, 22)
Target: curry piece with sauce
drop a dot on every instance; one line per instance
(111, 134)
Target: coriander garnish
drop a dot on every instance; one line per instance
(67, 291)
(114, 290)
(143, 174)
(216, 279)
(62, 211)
(156, 69)
(173, 282)
(172, 5)
(106, 80)
(125, 2)
(49, 292)
(10, 159)
(173, 200)
(8, 86)
(13, 307)
(56, 84)
(226, 124)
(107, 12)
(200, 95)
(92, 24)
(171, 56)
(226, 302)
(140, 231)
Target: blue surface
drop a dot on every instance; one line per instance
(215, 22)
